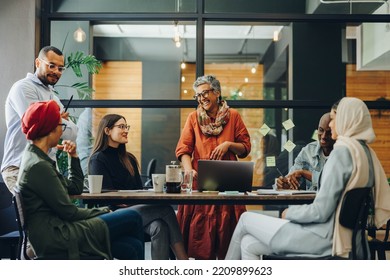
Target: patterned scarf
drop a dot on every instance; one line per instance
(210, 128)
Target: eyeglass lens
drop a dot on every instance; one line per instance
(52, 66)
(204, 93)
(123, 126)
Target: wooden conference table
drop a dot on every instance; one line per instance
(150, 197)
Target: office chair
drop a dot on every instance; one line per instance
(353, 215)
(149, 171)
(9, 234)
(379, 246)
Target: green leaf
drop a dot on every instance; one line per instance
(76, 60)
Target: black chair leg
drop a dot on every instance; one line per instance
(171, 255)
(381, 254)
(372, 254)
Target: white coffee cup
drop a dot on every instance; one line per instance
(95, 183)
(158, 182)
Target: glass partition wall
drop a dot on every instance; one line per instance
(281, 71)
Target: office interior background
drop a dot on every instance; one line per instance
(276, 60)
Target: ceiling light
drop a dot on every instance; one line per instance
(246, 80)
(253, 70)
(176, 38)
(183, 65)
(177, 43)
(79, 35)
(276, 36)
(183, 79)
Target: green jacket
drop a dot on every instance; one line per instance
(55, 225)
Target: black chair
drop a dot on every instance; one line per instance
(353, 215)
(147, 178)
(22, 227)
(21, 222)
(9, 234)
(379, 246)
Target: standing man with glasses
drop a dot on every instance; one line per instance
(33, 88)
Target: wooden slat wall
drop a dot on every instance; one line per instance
(369, 86)
(120, 80)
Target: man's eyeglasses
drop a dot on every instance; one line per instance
(204, 93)
(52, 66)
(123, 126)
(63, 126)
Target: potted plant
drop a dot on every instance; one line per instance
(76, 61)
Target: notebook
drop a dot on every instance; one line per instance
(225, 175)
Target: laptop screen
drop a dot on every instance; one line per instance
(225, 175)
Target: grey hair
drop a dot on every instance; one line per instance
(210, 80)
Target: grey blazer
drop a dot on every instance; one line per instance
(310, 231)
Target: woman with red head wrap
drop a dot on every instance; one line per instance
(56, 227)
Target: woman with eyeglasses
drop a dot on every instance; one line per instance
(120, 170)
(58, 229)
(216, 132)
(314, 230)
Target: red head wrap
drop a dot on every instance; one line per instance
(40, 119)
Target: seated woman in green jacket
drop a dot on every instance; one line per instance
(56, 227)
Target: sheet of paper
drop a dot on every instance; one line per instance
(270, 161)
(288, 124)
(315, 135)
(264, 129)
(135, 191)
(283, 192)
(289, 146)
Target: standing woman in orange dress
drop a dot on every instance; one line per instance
(216, 132)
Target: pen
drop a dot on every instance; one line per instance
(277, 169)
(67, 105)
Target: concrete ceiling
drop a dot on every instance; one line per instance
(230, 42)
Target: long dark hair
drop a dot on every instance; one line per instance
(101, 142)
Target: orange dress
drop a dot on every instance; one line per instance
(207, 229)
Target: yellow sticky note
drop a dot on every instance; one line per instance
(288, 124)
(289, 146)
(270, 161)
(315, 135)
(264, 129)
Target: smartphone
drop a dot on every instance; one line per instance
(67, 105)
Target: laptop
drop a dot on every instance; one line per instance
(225, 175)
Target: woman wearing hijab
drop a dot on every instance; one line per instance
(56, 227)
(215, 132)
(120, 172)
(312, 230)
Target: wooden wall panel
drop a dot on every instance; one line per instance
(120, 80)
(369, 86)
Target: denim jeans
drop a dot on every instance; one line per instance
(126, 234)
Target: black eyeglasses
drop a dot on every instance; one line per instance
(204, 93)
(123, 126)
(63, 126)
(52, 66)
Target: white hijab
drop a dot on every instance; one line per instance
(353, 123)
